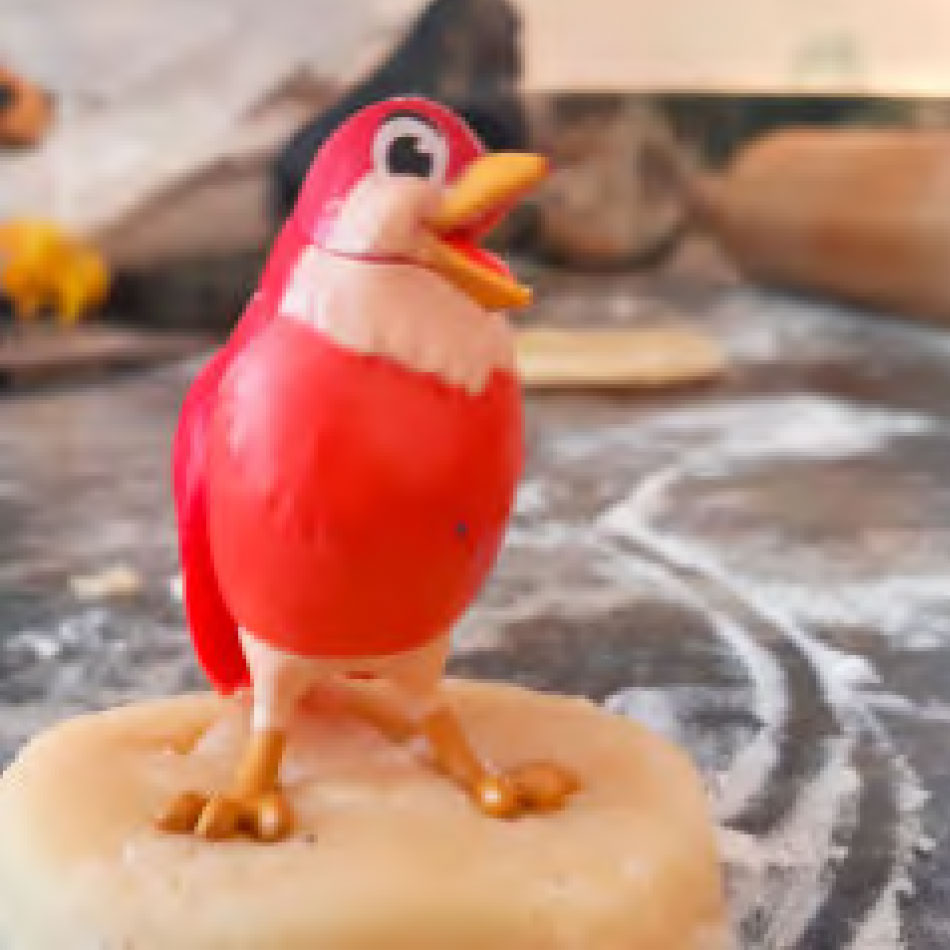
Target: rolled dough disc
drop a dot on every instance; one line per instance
(387, 853)
(645, 357)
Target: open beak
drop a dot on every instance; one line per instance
(487, 189)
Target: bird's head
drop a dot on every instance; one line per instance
(406, 180)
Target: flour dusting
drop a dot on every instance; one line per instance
(789, 872)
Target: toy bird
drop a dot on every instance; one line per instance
(345, 466)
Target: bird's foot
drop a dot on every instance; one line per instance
(254, 808)
(531, 788)
(265, 817)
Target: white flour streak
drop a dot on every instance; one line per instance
(913, 607)
(751, 767)
(549, 534)
(176, 588)
(881, 929)
(806, 842)
(805, 838)
(797, 426)
(532, 497)
(808, 427)
(724, 439)
(658, 709)
(790, 330)
(896, 705)
(786, 872)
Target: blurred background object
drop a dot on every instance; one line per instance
(612, 199)
(858, 214)
(25, 111)
(178, 156)
(43, 269)
(463, 53)
(860, 47)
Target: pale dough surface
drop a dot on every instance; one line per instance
(387, 854)
(645, 357)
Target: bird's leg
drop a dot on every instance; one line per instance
(258, 770)
(538, 786)
(254, 804)
(455, 757)
(421, 708)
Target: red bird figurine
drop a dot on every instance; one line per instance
(345, 466)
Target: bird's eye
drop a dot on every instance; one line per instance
(407, 145)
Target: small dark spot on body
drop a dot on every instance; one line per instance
(461, 529)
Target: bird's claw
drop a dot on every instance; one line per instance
(266, 817)
(525, 789)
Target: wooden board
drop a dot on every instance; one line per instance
(43, 354)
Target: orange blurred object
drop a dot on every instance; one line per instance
(25, 111)
(859, 214)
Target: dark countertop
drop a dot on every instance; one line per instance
(757, 568)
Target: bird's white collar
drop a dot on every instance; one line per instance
(402, 312)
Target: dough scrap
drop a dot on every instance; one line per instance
(635, 358)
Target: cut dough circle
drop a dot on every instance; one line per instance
(640, 358)
(387, 853)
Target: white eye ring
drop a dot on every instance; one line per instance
(406, 145)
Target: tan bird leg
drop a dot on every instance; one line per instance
(531, 787)
(254, 805)
(415, 705)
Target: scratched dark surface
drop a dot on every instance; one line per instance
(756, 568)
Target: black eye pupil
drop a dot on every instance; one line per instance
(405, 157)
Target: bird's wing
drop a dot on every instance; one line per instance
(214, 631)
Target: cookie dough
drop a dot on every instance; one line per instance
(387, 853)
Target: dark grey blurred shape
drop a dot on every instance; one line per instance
(465, 54)
(611, 201)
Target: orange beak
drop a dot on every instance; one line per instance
(487, 189)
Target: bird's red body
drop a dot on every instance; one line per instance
(357, 506)
(334, 503)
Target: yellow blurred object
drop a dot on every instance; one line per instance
(42, 267)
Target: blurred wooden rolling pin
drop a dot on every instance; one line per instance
(860, 214)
